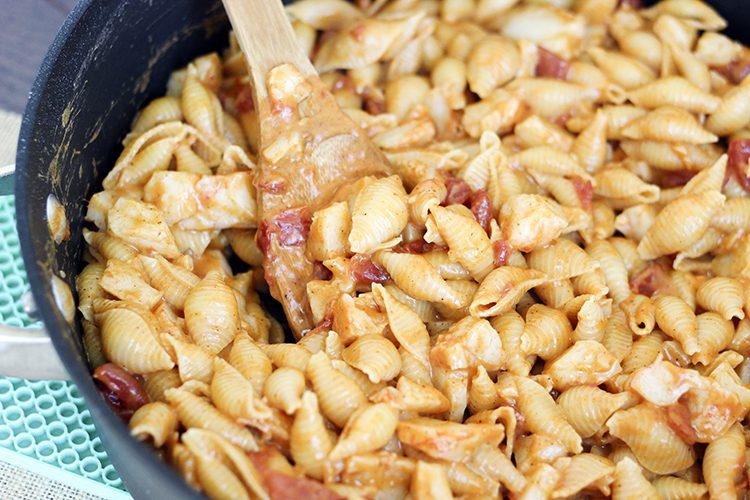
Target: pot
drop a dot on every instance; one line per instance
(109, 59)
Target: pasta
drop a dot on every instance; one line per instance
(545, 297)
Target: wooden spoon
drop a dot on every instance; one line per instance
(309, 149)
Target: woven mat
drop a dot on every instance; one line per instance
(17, 483)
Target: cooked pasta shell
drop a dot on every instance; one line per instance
(234, 395)
(193, 362)
(694, 212)
(669, 156)
(287, 355)
(202, 110)
(359, 378)
(733, 114)
(501, 290)
(714, 334)
(421, 398)
(217, 479)
(493, 61)
(625, 71)
(160, 110)
(326, 341)
(126, 282)
(195, 411)
(548, 160)
(673, 488)
(245, 247)
(211, 313)
(580, 472)
(489, 11)
(622, 183)
(468, 243)
(414, 368)
(405, 324)
(482, 392)
(105, 247)
(453, 383)
(674, 91)
(536, 131)
(722, 463)
(510, 327)
(375, 40)
(309, 441)
(284, 388)
(590, 146)
(155, 421)
(250, 360)
(129, 340)
(551, 98)
(368, 429)
(92, 343)
(677, 319)
(630, 483)
(670, 125)
(328, 232)
(722, 295)
(547, 332)
(175, 282)
(587, 362)
(379, 214)
(587, 408)
(375, 356)
(693, 12)
(447, 440)
(135, 146)
(645, 429)
(155, 157)
(338, 394)
(430, 481)
(414, 275)
(542, 415)
(425, 195)
(192, 243)
(87, 286)
(639, 313)
(592, 320)
(492, 463)
(563, 259)
(157, 383)
(591, 283)
(643, 352)
(555, 293)
(204, 443)
(324, 14)
(617, 338)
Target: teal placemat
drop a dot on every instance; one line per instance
(44, 425)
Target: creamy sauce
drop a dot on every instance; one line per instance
(57, 222)
(63, 298)
(323, 150)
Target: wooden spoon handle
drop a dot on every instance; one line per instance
(267, 39)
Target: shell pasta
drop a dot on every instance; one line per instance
(548, 295)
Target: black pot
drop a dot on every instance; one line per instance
(109, 58)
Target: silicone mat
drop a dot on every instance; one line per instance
(45, 426)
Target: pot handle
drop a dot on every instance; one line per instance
(6, 179)
(27, 352)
